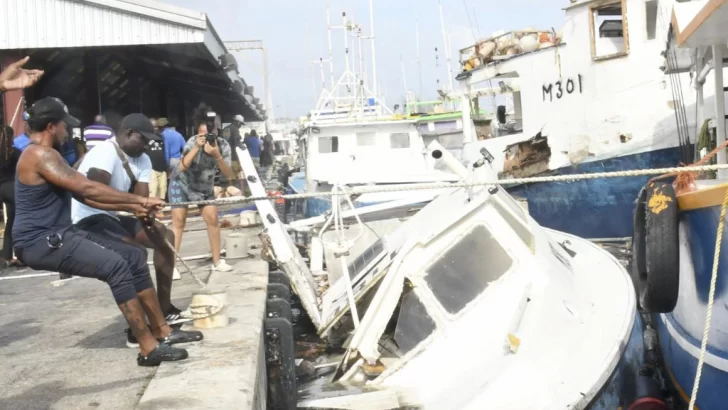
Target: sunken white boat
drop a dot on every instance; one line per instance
(469, 304)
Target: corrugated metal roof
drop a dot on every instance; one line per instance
(89, 23)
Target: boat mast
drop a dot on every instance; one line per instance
(374, 53)
(447, 48)
(419, 55)
(331, 51)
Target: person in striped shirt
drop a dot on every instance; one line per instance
(98, 132)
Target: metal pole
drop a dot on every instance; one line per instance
(419, 55)
(346, 42)
(447, 47)
(719, 105)
(361, 59)
(266, 85)
(313, 85)
(374, 50)
(331, 51)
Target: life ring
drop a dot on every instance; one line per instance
(655, 248)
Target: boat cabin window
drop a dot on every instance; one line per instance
(464, 271)
(414, 324)
(399, 140)
(365, 258)
(328, 145)
(608, 25)
(365, 139)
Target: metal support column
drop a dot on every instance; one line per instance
(719, 105)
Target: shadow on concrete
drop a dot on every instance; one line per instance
(43, 396)
(17, 331)
(110, 337)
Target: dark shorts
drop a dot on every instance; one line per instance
(124, 228)
(76, 252)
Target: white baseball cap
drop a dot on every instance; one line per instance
(239, 118)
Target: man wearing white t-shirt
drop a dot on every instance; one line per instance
(104, 164)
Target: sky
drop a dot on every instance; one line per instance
(294, 33)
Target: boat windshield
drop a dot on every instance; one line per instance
(466, 269)
(414, 324)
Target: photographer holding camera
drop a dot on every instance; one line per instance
(202, 156)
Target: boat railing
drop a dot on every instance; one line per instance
(505, 46)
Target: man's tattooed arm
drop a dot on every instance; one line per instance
(53, 169)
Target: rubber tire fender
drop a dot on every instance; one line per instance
(658, 269)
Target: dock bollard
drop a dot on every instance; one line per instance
(236, 246)
(209, 309)
(249, 219)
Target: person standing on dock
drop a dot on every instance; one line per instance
(45, 239)
(174, 142)
(156, 152)
(252, 142)
(195, 182)
(9, 155)
(236, 141)
(97, 133)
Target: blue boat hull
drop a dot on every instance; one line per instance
(565, 206)
(595, 208)
(621, 388)
(310, 207)
(681, 331)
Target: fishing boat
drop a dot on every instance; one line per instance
(677, 226)
(590, 100)
(470, 295)
(352, 138)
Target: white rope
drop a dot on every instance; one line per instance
(711, 300)
(464, 184)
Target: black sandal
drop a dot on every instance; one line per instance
(182, 336)
(162, 353)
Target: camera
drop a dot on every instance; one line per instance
(210, 122)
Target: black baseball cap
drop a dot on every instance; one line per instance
(53, 109)
(141, 124)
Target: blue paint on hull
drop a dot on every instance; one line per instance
(621, 387)
(570, 207)
(599, 208)
(701, 229)
(682, 365)
(310, 207)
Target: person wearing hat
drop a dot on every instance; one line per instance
(105, 164)
(44, 237)
(174, 143)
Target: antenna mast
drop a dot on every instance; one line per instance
(331, 52)
(447, 47)
(374, 52)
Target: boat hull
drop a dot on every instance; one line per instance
(622, 386)
(571, 206)
(563, 206)
(681, 331)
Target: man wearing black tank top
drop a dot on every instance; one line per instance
(45, 239)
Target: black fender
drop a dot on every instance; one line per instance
(656, 248)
